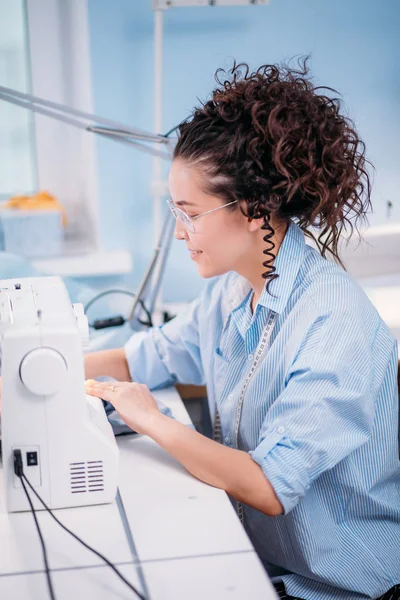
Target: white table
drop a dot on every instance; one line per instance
(171, 535)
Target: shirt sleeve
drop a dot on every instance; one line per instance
(169, 354)
(326, 409)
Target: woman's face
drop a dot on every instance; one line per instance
(222, 239)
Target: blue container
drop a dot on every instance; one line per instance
(31, 233)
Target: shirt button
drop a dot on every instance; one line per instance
(281, 429)
(250, 357)
(227, 440)
(230, 396)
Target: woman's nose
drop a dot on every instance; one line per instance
(180, 232)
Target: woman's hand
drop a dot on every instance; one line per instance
(133, 402)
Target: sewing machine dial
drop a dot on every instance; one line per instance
(43, 371)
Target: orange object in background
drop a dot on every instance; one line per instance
(40, 201)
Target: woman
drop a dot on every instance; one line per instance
(299, 367)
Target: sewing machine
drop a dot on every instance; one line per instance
(68, 448)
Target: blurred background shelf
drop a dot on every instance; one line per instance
(97, 263)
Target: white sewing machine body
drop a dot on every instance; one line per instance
(45, 411)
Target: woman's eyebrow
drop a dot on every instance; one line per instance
(183, 203)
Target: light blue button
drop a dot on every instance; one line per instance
(281, 429)
(227, 440)
(250, 357)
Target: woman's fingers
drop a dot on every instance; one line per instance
(133, 401)
(106, 391)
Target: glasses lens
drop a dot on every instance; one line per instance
(172, 208)
(186, 221)
(182, 216)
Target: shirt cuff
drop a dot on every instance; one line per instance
(278, 457)
(145, 363)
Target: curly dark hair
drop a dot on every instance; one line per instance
(276, 143)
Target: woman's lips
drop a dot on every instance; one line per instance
(194, 253)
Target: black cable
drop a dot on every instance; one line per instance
(18, 468)
(93, 300)
(109, 563)
(148, 315)
(119, 320)
(44, 550)
(22, 476)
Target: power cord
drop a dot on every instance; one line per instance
(118, 320)
(19, 471)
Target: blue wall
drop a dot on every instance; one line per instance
(354, 48)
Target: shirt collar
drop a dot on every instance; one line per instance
(288, 262)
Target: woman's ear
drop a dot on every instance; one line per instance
(254, 225)
(279, 226)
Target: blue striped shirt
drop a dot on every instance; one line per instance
(319, 415)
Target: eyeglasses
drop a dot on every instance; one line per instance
(187, 221)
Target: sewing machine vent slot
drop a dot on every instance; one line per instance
(86, 477)
(77, 473)
(95, 476)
